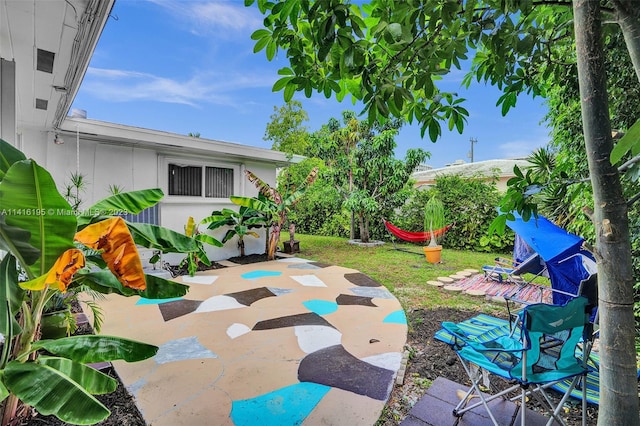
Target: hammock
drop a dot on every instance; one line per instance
(414, 237)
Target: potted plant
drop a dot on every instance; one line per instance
(293, 245)
(433, 220)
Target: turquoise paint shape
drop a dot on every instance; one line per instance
(397, 317)
(321, 307)
(285, 406)
(144, 301)
(254, 275)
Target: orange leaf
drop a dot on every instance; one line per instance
(61, 274)
(112, 237)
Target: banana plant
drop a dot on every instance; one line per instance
(240, 221)
(198, 254)
(274, 205)
(51, 250)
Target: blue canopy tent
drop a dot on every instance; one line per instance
(568, 264)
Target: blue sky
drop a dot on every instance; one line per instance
(189, 66)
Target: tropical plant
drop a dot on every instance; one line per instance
(274, 205)
(77, 183)
(195, 257)
(389, 55)
(286, 129)
(434, 219)
(240, 221)
(53, 251)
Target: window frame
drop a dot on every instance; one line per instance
(165, 161)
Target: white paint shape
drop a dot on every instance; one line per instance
(293, 260)
(200, 279)
(237, 330)
(389, 360)
(312, 338)
(219, 303)
(309, 280)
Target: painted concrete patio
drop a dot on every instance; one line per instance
(285, 342)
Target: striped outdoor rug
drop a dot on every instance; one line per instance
(528, 293)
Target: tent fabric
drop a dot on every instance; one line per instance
(567, 263)
(547, 239)
(414, 237)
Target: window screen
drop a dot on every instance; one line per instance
(218, 182)
(185, 180)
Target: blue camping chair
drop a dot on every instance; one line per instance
(539, 353)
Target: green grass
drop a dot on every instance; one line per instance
(404, 274)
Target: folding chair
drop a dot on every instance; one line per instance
(506, 270)
(538, 354)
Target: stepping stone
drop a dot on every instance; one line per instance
(458, 276)
(476, 292)
(498, 299)
(452, 288)
(445, 280)
(473, 271)
(435, 283)
(465, 273)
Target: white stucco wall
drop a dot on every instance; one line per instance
(133, 168)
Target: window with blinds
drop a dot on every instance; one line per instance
(189, 181)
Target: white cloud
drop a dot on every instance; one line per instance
(520, 148)
(214, 16)
(126, 86)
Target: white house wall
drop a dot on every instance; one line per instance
(132, 168)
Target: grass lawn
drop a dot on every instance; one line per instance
(404, 274)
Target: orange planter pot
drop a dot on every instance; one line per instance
(433, 254)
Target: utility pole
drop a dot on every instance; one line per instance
(473, 141)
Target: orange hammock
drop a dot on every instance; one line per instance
(414, 237)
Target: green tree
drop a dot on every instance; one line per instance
(363, 168)
(286, 129)
(388, 55)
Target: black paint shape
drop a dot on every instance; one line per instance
(248, 297)
(309, 318)
(178, 308)
(362, 280)
(335, 367)
(348, 299)
(320, 264)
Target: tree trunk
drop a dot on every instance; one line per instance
(274, 239)
(241, 245)
(618, 375)
(627, 14)
(364, 235)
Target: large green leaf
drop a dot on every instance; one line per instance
(4, 392)
(50, 391)
(33, 203)
(11, 296)
(132, 202)
(16, 241)
(158, 237)
(96, 348)
(8, 155)
(157, 288)
(629, 142)
(92, 380)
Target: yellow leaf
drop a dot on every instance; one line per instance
(112, 237)
(190, 227)
(61, 274)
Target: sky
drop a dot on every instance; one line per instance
(187, 66)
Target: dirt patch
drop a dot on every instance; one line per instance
(430, 358)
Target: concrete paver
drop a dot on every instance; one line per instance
(281, 342)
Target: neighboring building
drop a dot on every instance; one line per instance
(45, 49)
(499, 171)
